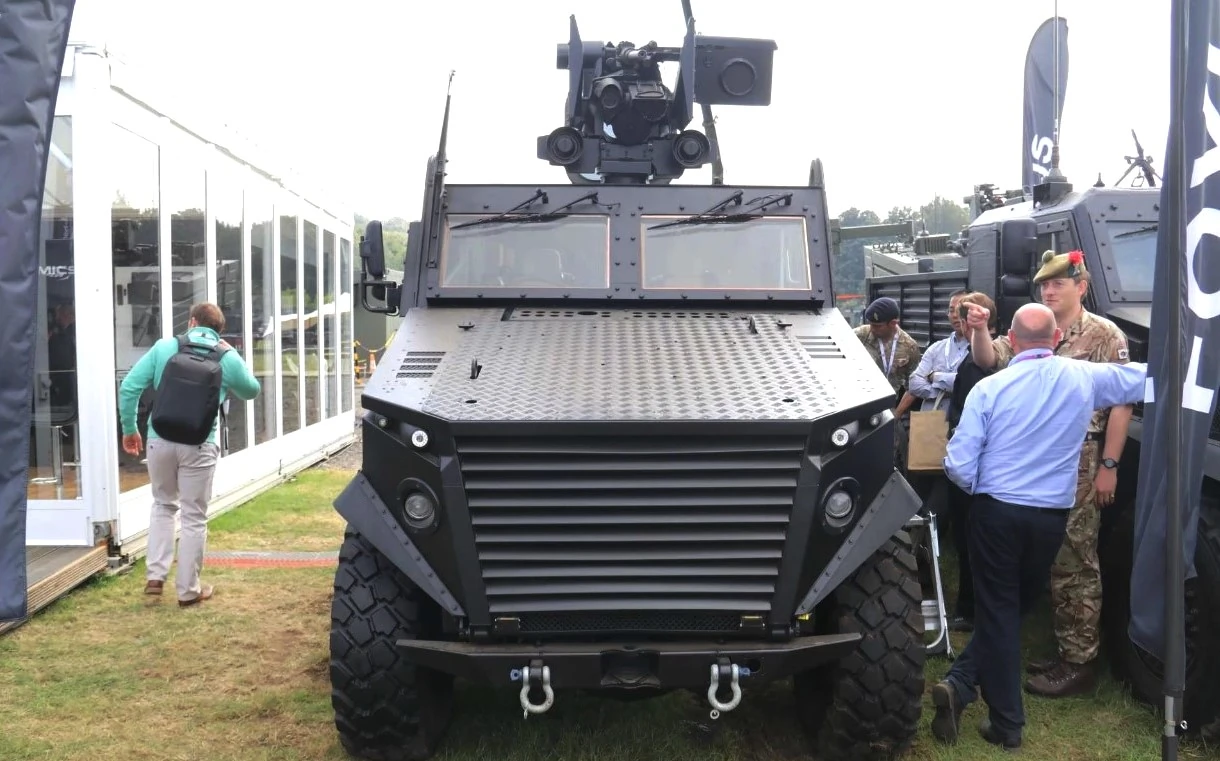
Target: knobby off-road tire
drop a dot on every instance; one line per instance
(386, 708)
(1201, 703)
(868, 705)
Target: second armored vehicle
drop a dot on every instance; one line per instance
(1116, 230)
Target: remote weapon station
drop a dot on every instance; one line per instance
(622, 442)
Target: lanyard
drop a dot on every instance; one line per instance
(887, 364)
(1036, 354)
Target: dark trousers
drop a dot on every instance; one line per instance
(958, 503)
(1012, 549)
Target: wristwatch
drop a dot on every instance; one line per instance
(1109, 463)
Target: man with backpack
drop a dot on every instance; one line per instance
(192, 374)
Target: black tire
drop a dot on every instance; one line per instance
(868, 705)
(386, 708)
(1142, 674)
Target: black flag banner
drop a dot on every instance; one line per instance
(33, 40)
(1040, 106)
(1184, 368)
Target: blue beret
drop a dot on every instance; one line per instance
(883, 309)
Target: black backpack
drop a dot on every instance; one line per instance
(188, 397)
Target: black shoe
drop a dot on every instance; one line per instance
(948, 716)
(993, 736)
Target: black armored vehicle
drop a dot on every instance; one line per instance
(623, 442)
(1116, 230)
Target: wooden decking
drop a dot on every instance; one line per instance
(54, 571)
(129, 478)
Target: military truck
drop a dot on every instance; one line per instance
(622, 441)
(1116, 229)
(923, 253)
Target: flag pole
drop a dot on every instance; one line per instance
(1174, 630)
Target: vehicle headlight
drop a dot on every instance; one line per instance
(420, 509)
(875, 420)
(839, 504)
(419, 439)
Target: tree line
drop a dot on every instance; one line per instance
(938, 216)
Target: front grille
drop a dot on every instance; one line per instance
(658, 621)
(612, 523)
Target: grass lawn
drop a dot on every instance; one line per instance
(107, 673)
(296, 517)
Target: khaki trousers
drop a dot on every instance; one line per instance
(1076, 575)
(181, 476)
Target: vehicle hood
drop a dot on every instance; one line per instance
(625, 365)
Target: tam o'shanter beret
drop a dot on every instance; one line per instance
(1055, 265)
(883, 309)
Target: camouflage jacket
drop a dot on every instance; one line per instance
(1092, 338)
(906, 356)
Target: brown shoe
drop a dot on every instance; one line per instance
(947, 722)
(153, 587)
(1041, 667)
(1064, 680)
(205, 593)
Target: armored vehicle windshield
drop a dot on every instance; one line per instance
(1133, 246)
(572, 251)
(748, 252)
(767, 253)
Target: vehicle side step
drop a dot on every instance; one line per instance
(935, 617)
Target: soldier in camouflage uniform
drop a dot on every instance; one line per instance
(1076, 575)
(897, 354)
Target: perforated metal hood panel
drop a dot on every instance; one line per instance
(614, 364)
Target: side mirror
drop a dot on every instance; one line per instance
(372, 272)
(1014, 286)
(1018, 246)
(372, 250)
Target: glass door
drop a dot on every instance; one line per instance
(136, 260)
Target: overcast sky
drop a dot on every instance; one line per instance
(900, 100)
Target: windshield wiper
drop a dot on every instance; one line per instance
(1148, 229)
(712, 219)
(538, 194)
(509, 216)
(709, 217)
(754, 205)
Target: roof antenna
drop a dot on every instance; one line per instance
(1055, 185)
(1055, 173)
(709, 122)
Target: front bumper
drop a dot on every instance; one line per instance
(657, 665)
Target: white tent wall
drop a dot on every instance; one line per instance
(167, 209)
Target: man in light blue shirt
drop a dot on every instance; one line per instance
(1016, 450)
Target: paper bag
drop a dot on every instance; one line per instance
(928, 440)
